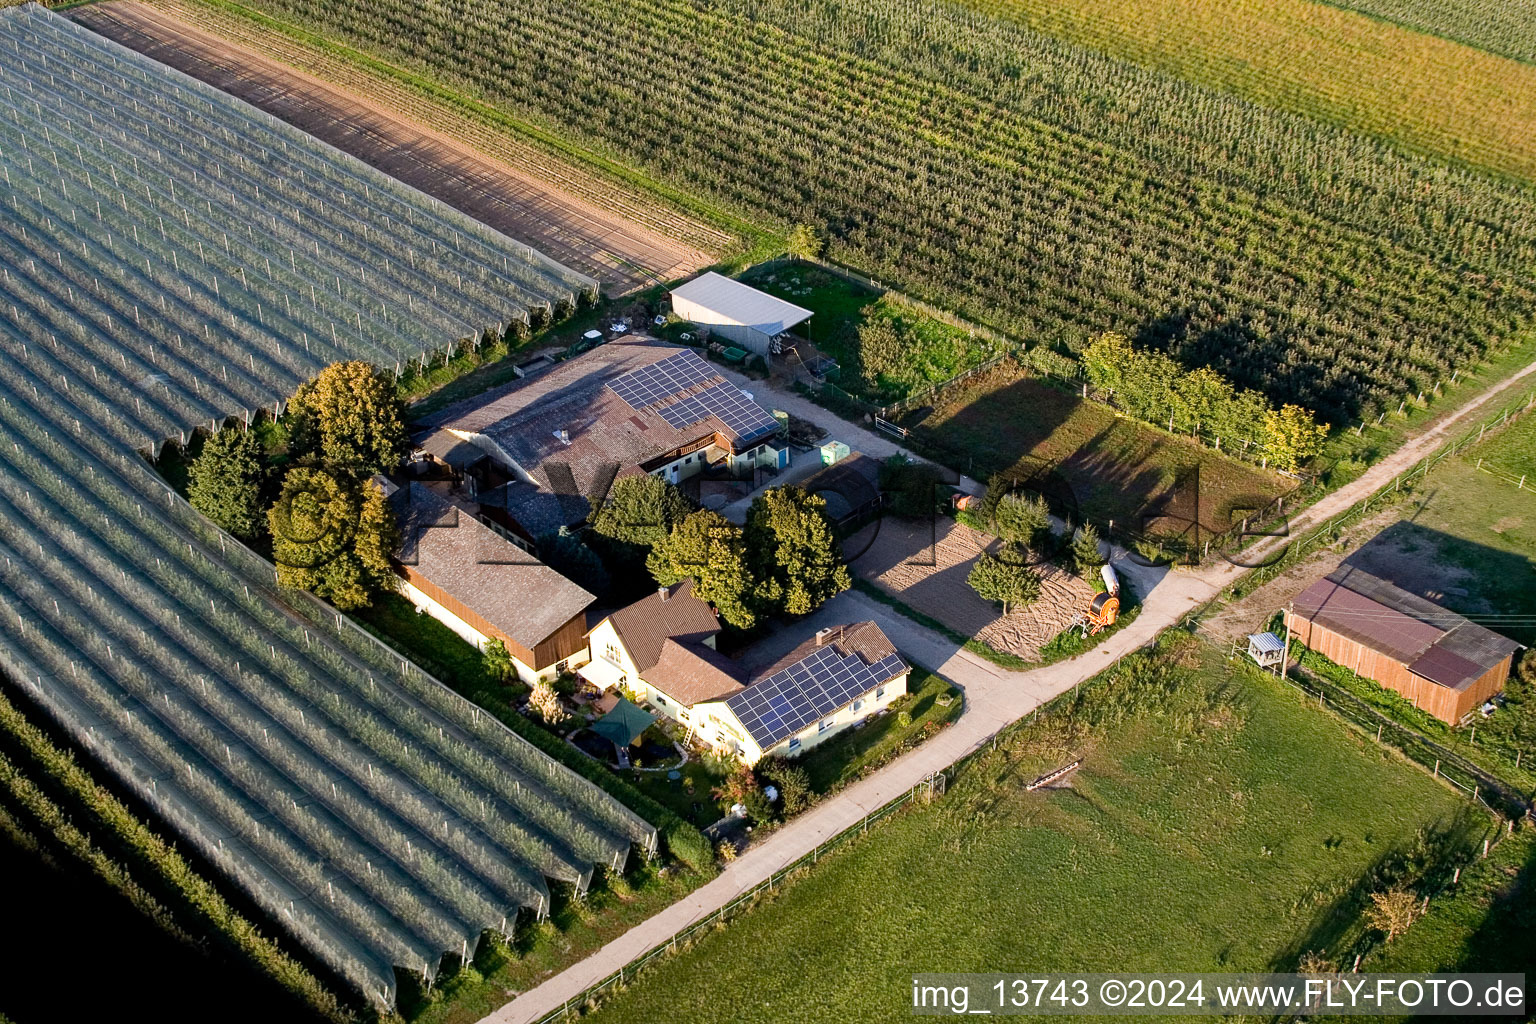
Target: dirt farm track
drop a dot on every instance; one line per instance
(621, 254)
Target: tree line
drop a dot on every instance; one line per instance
(1153, 386)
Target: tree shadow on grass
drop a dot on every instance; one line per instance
(1468, 577)
(1423, 865)
(1506, 940)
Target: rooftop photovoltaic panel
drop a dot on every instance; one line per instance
(740, 414)
(670, 376)
(812, 688)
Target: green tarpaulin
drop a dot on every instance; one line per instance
(624, 724)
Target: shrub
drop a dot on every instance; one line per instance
(497, 661)
(545, 703)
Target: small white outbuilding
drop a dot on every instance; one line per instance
(736, 312)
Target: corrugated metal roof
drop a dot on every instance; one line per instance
(1264, 643)
(739, 303)
(1434, 642)
(1447, 668)
(1337, 607)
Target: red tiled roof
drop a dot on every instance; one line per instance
(692, 673)
(672, 612)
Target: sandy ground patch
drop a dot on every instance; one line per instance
(926, 565)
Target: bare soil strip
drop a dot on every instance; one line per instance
(625, 256)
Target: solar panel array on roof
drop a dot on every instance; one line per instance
(662, 379)
(742, 416)
(812, 688)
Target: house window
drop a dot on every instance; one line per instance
(880, 693)
(858, 706)
(823, 725)
(611, 652)
(560, 666)
(682, 716)
(661, 701)
(794, 743)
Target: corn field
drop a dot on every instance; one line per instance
(377, 816)
(1506, 27)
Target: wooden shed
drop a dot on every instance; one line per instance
(1442, 662)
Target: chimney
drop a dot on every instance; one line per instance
(822, 634)
(663, 593)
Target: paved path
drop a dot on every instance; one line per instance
(994, 697)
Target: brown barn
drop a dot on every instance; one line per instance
(1443, 663)
(477, 582)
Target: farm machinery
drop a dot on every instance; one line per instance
(1104, 609)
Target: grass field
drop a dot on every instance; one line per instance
(1428, 94)
(1512, 450)
(1478, 531)
(1115, 467)
(1484, 924)
(1218, 824)
(885, 348)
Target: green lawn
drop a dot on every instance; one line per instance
(850, 321)
(1113, 467)
(1486, 922)
(1512, 450)
(850, 755)
(1219, 823)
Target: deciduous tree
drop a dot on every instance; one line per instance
(224, 482)
(351, 417)
(803, 243)
(1292, 436)
(332, 537)
(710, 549)
(1392, 912)
(1007, 582)
(639, 514)
(793, 552)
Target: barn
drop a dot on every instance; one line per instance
(736, 312)
(1440, 661)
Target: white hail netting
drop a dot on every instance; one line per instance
(380, 817)
(215, 255)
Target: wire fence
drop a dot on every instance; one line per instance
(1327, 530)
(1499, 795)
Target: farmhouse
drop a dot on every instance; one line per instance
(1443, 663)
(556, 441)
(736, 312)
(661, 648)
(468, 576)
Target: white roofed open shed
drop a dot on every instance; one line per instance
(736, 312)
